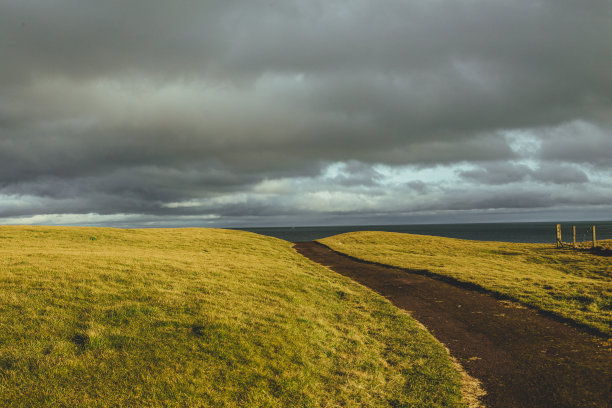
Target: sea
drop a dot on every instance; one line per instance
(527, 232)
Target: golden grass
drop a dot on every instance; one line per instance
(573, 284)
(198, 318)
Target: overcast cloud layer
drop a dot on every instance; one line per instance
(289, 112)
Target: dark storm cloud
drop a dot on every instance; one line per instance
(113, 107)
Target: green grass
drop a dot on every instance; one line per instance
(573, 284)
(199, 318)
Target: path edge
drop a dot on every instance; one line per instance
(472, 391)
(478, 288)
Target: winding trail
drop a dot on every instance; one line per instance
(522, 358)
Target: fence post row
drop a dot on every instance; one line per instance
(560, 240)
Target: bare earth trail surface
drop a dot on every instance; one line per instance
(522, 358)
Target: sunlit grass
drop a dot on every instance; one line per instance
(573, 284)
(197, 317)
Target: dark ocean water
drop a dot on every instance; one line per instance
(532, 232)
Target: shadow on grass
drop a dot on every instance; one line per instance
(601, 251)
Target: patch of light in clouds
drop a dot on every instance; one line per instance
(435, 175)
(524, 143)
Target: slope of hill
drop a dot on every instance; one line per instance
(200, 317)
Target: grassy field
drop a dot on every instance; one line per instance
(198, 317)
(574, 284)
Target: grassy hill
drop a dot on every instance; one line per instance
(200, 317)
(574, 284)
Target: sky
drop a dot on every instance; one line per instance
(292, 112)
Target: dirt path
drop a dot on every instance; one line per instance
(522, 358)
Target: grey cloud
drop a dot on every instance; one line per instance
(579, 142)
(356, 173)
(115, 107)
(523, 198)
(560, 174)
(506, 172)
(497, 173)
(502, 199)
(418, 186)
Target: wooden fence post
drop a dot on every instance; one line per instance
(559, 241)
(574, 234)
(594, 238)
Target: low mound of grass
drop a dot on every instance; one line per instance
(572, 284)
(198, 318)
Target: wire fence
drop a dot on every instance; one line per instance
(582, 236)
